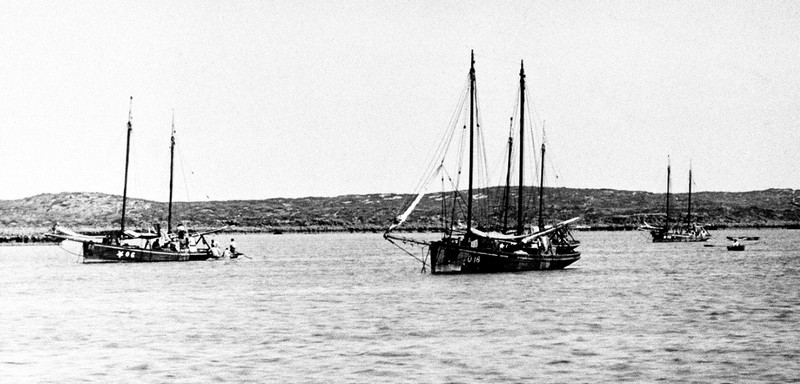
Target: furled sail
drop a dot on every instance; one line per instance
(495, 235)
(550, 230)
(68, 234)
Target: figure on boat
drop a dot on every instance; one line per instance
(737, 242)
(477, 236)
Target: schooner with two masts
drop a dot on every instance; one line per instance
(679, 233)
(126, 245)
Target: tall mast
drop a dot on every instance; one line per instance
(666, 224)
(171, 166)
(507, 190)
(127, 158)
(520, 220)
(689, 215)
(471, 138)
(541, 194)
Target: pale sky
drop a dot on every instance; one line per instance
(292, 98)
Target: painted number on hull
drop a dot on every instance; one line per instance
(476, 259)
(121, 254)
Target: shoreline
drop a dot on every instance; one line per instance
(27, 236)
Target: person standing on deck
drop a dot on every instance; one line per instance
(183, 240)
(215, 251)
(232, 247)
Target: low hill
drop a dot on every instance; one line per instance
(599, 208)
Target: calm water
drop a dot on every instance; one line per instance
(353, 308)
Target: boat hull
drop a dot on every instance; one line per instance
(736, 247)
(94, 252)
(680, 236)
(679, 239)
(448, 258)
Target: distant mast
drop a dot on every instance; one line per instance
(127, 158)
(541, 194)
(507, 191)
(471, 134)
(171, 166)
(689, 214)
(520, 219)
(666, 224)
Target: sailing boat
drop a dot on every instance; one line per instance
(130, 246)
(690, 232)
(478, 247)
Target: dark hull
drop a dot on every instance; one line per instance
(736, 247)
(679, 239)
(447, 258)
(661, 236)
(116, 253)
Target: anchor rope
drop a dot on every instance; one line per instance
(71, 253)
(406, 251)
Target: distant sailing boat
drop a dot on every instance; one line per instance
(131, 246)
(690, 232)
(484, 247)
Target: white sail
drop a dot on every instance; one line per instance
(402, 218)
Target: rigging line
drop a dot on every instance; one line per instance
(444, 205)
(556, 178)
(536, 115)
(428, 173)
(482, 159)
(532, 172)
(196, 184)
(460, 155)
(405, 250)
(500, 168)
(531, 126)
(442, 147)
(134, 182)
(482, 155)
(458, 197)
(71, 253)
(455, 125)
(512, 133)
(450, 179)
(183, 173)
(452, 124)
(440, 153)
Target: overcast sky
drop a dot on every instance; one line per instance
(292, 98)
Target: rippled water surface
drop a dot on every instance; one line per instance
(353, 308)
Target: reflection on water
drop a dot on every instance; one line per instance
(352, 308)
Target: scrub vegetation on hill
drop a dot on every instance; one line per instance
(598, 208)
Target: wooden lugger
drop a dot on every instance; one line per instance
(454, 258)
(121, 253)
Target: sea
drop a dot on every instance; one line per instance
(353, 308)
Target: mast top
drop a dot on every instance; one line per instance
(472, 64)
(130, 112)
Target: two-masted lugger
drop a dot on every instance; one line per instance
(688, 231)
(127, 245)
(477, 236)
